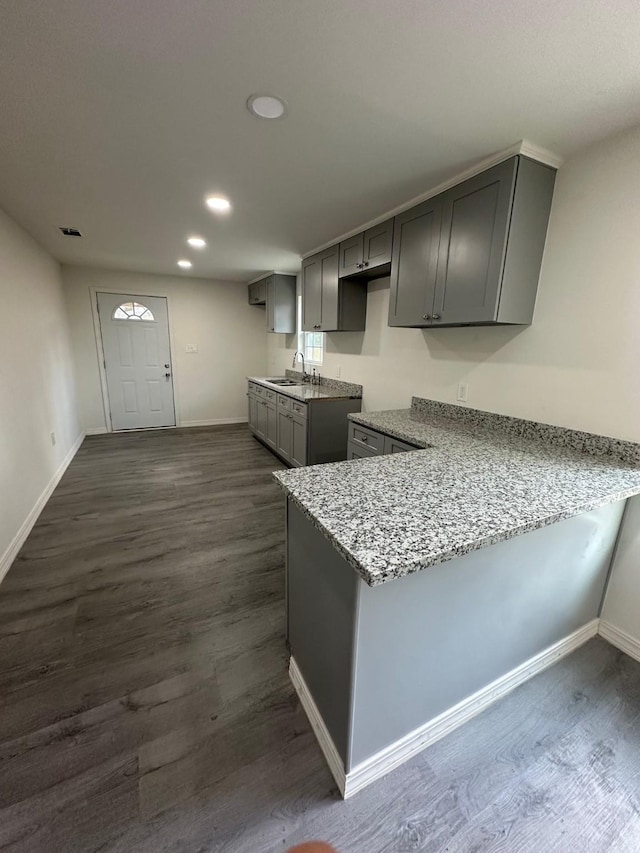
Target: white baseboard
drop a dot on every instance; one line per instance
(405, 748)
(96, 431)
(402, 750)
(6, 560)
(620, 639)
(317, 724)
(216, 422)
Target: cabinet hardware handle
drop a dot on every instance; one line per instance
(359, 266)
(364, 438)
(436, 317)
(365, 264)
(426, 316)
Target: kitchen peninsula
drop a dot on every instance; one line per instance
(423, 585)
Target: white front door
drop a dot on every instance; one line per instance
(137, 358)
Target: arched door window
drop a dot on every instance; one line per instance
(133, 311)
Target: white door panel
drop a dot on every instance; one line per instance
(137, 355)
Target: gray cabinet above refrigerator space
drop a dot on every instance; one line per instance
(278, 293)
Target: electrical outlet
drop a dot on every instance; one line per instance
(53, 439)
(463, 391)
(338, 371)
(191, 348)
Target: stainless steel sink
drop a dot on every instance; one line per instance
(284, 382)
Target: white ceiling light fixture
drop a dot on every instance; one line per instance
(267, 106)
(184, 264)
(218, 203)
(197, 242)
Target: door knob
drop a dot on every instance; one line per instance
(426, 316)
(167, 365)
(167, 374)
(436, 317)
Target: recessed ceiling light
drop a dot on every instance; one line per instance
(196, 242)
(216, 202)
(185, 264)
(267, 106)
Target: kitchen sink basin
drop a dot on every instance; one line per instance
(285, 382)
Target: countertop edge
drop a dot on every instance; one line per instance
(373, 579)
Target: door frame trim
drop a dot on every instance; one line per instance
(97, 329)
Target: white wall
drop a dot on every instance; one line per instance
(37, 394)
(577, 366)
(229, 333)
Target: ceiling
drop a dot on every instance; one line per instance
(120, 117)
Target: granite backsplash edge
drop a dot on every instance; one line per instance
(584, 442)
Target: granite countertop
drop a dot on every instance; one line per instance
(305, 392)
(479, 480)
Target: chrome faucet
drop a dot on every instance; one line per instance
(305, 375)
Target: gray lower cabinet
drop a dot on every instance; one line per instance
(278, 293)
(365, 442)
(331, 304)
(283, 415)
(367, 255)
(472, 255)
(300, 433)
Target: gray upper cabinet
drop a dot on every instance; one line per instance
(278, 292)
(481, 264)
(328, 303)
(258, 292)
(475, 222)
(414, 264)
(368, 254)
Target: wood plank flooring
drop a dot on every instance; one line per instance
(145, 703)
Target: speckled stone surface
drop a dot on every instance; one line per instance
(585, 442)
(475, 484)
(305, 392)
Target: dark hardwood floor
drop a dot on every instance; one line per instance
(145, 703)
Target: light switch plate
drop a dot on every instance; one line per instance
(463, 391)
(191, 348)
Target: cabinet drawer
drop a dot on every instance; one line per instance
(299, 409)
(270, 395)
(356, 451)
(394, 445)
(259, 390)
(363, 437)
(284, 402)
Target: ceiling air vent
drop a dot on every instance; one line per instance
(71, 232)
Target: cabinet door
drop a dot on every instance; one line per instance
(271, 425)
(284, 434)
(298, 440)
(355, 452)
(311, 293)
(394, 445)
(351, 255)
(475, 223)
(414, 264)
(378, 242)
(252, 402)
(257, 293)
(329, 296)
(261, 419)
